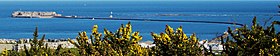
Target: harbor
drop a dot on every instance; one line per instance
(34, 14)
(139, 28)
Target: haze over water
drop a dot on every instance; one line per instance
(56, 28)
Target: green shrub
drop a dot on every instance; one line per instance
(175, 43)
(37, 48)
(254, 41)
(123, 42)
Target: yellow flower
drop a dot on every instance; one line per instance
(180, 45)
(71, 41)
(120, 30)
(261, 52)
(124, 31)
(95, 28)
(193, 37)
(97, 38)
(127, 36)
(168, 29)
(46, 54)
(5, 52)
(106, 32)
(185, 38)
(270, 55)
(140, 38)
(275, 40)
(109, 44)
(272, 46)
(167, 37)
(136, 33)
(84, 36)
(128, 26)
(180, 29)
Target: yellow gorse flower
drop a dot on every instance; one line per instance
(111, 44)
(185, 38)
(136, 36)
(4, 52)
(275, 40)
(180, 30)
(84, 36)
(193, 38)
(71, 41)
(169, 30)
(94, 30)
(261, 52)
(167, 37)
(175, 43)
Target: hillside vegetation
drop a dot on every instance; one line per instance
(255, 40)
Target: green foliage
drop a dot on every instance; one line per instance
(254, 41)
(37, 48)
(123, 42)
(175, 43)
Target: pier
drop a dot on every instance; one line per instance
(156, 20)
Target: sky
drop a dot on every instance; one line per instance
(139, 0)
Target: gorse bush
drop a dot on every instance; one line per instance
(254, 41)
(244, 41)
(175, 43)
(123, 42)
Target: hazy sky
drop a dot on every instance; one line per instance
(139, 0)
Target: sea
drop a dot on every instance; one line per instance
(61, 28)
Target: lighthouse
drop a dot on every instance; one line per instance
(111, 15)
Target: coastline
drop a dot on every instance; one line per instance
(54, 43)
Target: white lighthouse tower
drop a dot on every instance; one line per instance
(111, 15)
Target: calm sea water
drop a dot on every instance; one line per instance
(241, 12)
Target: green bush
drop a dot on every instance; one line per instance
(37, 48)
(123, 42)
(175, 43)
(254, 41)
